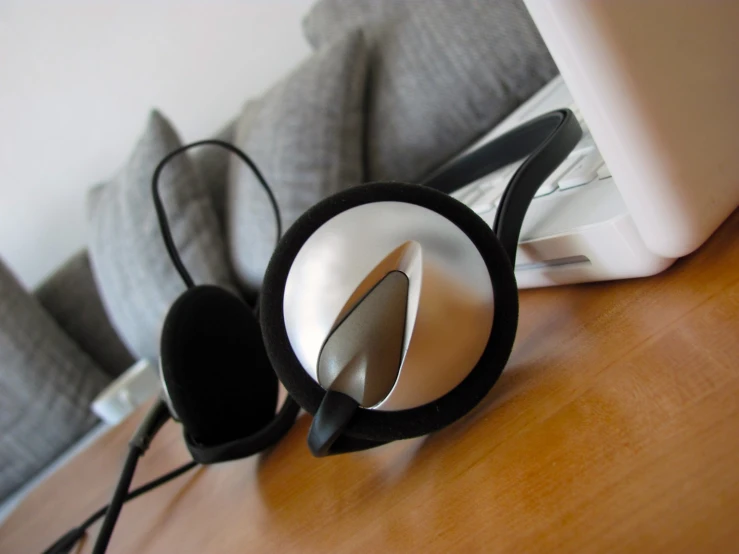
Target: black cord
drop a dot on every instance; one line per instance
(116, 503)
(68, 540)
(157, 416)
(162, 216)
(143, 489)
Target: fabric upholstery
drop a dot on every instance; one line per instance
(305, 136)
(133, 271)
(211, 163)
(71, 297)
(46, 386)
(442, 73)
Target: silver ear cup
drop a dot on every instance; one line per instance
(456, 332)
(450, 304)
(473, 267)
(363, 354)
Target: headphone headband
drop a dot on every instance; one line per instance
(547, 141)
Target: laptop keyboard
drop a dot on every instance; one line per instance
(582, 167)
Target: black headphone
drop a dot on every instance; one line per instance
(216, 377)
(220, 370)
(219, 366)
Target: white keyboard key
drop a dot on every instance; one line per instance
(492, 188)
(548, 187)
(480, 209)
(464, 192)
(580, 118)
(491, 182)
(583, 172)
(488, 200)
(507, 172)
(585, 145)
(603, 172)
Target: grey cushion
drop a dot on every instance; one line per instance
(305, 135)
(211, 163)
(46, 386)
(443, 72)
(135, 276)
(71, 297)
(328, 20)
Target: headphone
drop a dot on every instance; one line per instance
(216, 378)
(388, 311)
(219, 366)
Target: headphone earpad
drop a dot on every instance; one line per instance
(371, 426)
(215, 368)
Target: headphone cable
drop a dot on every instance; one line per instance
(162, 216)
(64, 544)
(157, 416)
(67, 541)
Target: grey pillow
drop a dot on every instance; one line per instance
(443, 72)
(211, 162)
(136, 278)
(71, 297)
(305, 135)
(46, 386)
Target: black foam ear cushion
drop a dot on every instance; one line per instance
(375, 425)
(215, 367)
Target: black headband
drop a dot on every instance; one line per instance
(545, 142)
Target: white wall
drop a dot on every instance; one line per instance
(78, 78)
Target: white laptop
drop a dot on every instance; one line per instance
(656, 90)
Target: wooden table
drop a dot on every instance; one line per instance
(615, 428)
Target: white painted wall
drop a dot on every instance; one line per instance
(78, 78)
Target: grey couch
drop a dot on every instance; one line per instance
(392, 90)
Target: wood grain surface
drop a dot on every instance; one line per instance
(615, 428)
